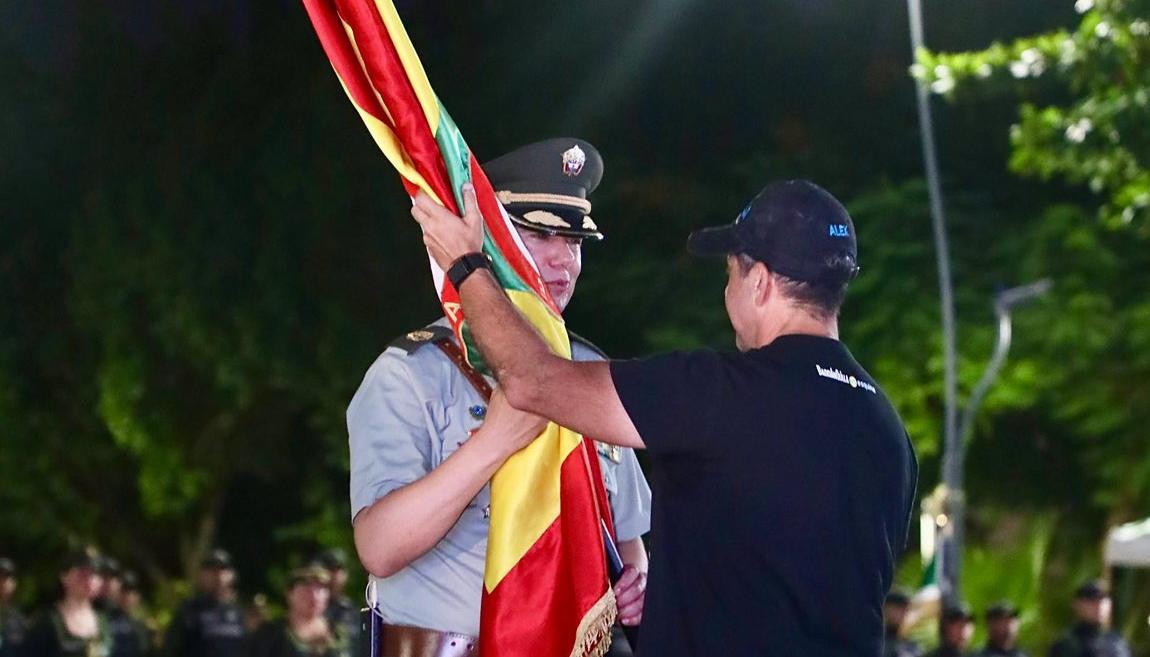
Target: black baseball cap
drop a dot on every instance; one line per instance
(1001, 609)
(898, 597)
(85, 557)
(217, 559)
(109, 567)
(959, 612)
(1094, 589)
(332, 559)
(795, 227)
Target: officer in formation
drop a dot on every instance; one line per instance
(955, 628)
(305, 631)
(130, 636)
(210, 623)
(13, 625)
(342, 613)
(420, 421)
(73, 627)
(894, 614)
(1001, 632)
(1090, 635)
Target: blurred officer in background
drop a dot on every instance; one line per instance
(210, 623)
(72, 627)
(130, 635)
(955, 628)
(894, 613)
(1002, 632)
(305, 630)
(13, 624)
(1090, 635)
(342, 613)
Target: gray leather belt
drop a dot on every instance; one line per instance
(404, 641)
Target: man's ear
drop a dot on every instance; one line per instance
(763, 282)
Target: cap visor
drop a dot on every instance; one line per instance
(715, 241)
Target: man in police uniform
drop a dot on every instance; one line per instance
(418, 423)
(130, 637)
(341, 612)
(1090, 636)
(13, 625)
(1002, 626)
(209, 624)
(894, 614)
(955, 628)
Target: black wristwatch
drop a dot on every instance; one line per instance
(465, 266)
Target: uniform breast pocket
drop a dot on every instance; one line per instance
(462, 422)
(609, 458)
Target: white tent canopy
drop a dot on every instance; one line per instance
(1129, 545)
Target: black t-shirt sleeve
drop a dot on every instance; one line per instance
(670, 397)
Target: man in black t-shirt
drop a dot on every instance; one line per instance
(783, 479)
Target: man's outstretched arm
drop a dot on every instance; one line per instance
(580, 396)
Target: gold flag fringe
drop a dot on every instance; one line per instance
(593, 638)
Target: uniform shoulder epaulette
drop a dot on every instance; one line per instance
(411, 342)
(575, 337)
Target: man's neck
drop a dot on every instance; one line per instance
(796, 323)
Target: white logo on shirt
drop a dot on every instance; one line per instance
(837, 375)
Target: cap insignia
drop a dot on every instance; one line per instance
(573, 160)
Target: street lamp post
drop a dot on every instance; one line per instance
(954, 459)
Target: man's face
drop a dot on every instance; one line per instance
(113, 588)
(131, 601)
(560, 260)
(217, 581)
(1096, 611)
(894, 613)
(308, 599)
(1003, 632)
(957, 633)
(82, 582)
(7, 587)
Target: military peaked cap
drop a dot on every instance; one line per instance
(544, 186)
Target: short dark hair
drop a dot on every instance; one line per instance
(821, 299)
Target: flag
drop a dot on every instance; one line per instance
(545, 584)
(926, 603)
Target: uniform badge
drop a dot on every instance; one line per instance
(573, 160)
(613, 453)
(420, 336)
(478, 411)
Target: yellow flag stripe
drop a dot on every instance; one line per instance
(411, 63)
(527, 486)
(384, 136)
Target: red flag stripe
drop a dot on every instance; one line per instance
(344, 60)
(576, 579)
(389, 78)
